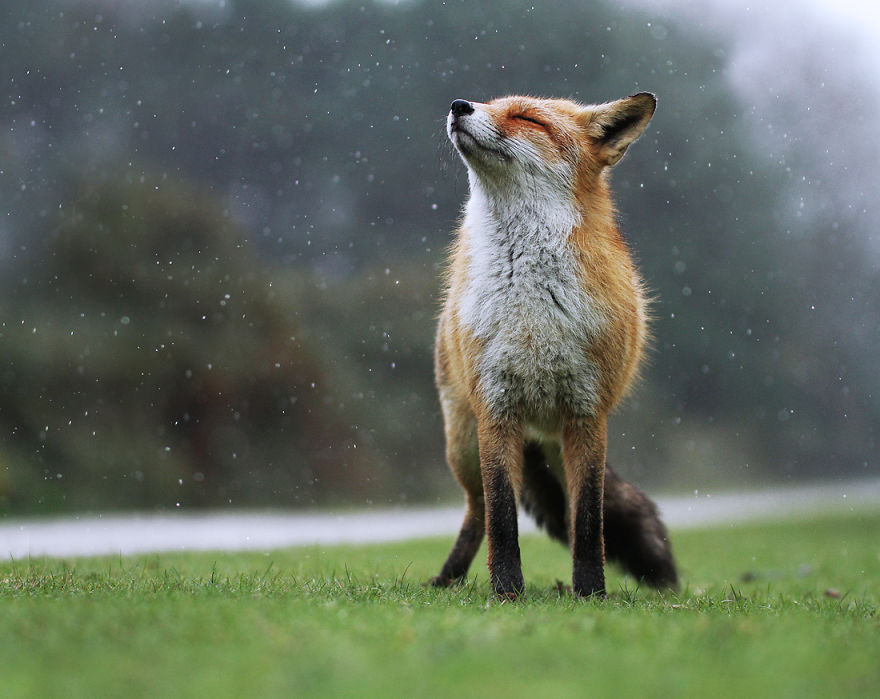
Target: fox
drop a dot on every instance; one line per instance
(542, 332)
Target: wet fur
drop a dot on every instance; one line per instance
(541, 335)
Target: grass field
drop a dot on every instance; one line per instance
(780, 609)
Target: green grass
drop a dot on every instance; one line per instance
(781, 609)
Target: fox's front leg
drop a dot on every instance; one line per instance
(584, 443)
(501, 456)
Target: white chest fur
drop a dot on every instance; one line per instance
(524, 301)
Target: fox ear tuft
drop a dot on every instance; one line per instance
(613, 126)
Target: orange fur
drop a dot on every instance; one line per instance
(544, 322)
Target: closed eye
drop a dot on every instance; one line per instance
(523, 117)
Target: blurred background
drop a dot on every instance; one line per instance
(222, 224)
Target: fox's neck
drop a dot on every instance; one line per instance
(521, 216)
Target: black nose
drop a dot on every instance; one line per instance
(461, 108)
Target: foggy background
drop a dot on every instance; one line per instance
(222, 225)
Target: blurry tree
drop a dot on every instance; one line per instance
(159, 156)
(150, 360)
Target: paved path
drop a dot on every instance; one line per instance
(141, 533)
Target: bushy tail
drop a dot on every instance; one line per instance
(635, 536)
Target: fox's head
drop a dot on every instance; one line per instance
(522, 144)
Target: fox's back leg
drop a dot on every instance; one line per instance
(462, 454)
(543, 495)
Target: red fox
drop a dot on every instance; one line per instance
(541, 334)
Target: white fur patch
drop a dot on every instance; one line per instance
(524, 301)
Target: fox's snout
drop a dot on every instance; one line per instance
(461, 108)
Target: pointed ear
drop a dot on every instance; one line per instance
(613, 126)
